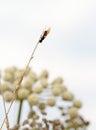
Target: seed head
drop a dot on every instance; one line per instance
(23, 93)
(51, 101)
(33, 99)
(77, 104)
(73, 112)
(44, 35)
(8, 95)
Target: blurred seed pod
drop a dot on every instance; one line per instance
(4, 87)
(73, 112)
(44, 82)
(8, 77)
(17, 74)
(51, 101)
(42, 106)
(70, 124)
(8, 95)
(58, 80)
(28, 84)
(32, 76)
(63, 88)
(35, 117)
(68, 96)
(10, 70)
(23, 93)
(44, 74)
(33, 99)
(77, 103)
(38, 89)
(56, 91)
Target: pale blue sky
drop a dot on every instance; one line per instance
(69, 50)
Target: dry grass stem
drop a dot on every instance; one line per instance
(6, 116)
(43, 36)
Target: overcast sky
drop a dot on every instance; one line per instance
(68, 51)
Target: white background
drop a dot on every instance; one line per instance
(69, 50)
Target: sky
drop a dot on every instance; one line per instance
(68, 51)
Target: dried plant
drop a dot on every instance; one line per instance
(7, 121)
(22, 85)
(42, 96)
(43, 36)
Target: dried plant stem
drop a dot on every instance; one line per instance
(6, 116)
(7, 112)
(43, 36)
(19, 83)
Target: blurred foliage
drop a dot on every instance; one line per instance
(41, 96)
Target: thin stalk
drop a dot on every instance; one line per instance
(6, 120)
(42, 37)
(6, 116)
(19, 83)
(19, 112)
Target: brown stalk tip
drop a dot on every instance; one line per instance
(44, 35)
